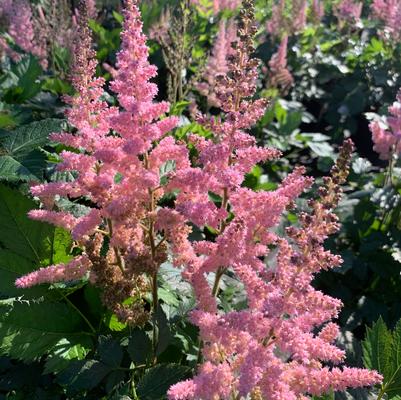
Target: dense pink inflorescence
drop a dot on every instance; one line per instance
(281, 344)
(387, 136)
(348, 11)
(389, 12)
(219, 5)
(18, 15)
(279, 75)
(287, 17)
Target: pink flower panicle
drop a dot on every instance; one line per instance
(317, 10)
(123, 206)
(241, 349)
(279, 75)
(348, 11)
(18, 15)
(73, 270)
(287, 19)
(217, 63)
(389, 13)
(387, 140)
(218, 5)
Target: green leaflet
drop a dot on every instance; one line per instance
(382, 352)
(20, 157)
(29, 330)
(157, 380)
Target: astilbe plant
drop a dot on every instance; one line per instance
(287, 19)
(386, 135)
(389, 13)
(348, 11)
(118, 173)
(17, 15)
(276, 347)
(279, 75)
(217, 63)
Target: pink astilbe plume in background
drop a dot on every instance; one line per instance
(317, 10)
(279, 75)
(389, 13)
(18, 16)
(348, 11)
(217, 63)
(387, 139)
(219, 5)
(287, 18)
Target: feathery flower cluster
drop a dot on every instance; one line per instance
(389, 12)
(348, 11)
(287, 19)
(317, 10)
(217, 63)
(387, 140)
(118, 173)
(219, 5)
(18, 16)
(269, 350)
(279, 75)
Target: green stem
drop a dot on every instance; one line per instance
(93, 330)
(155, 305)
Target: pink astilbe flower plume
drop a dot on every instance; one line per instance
(387, 139)
(218, 5)
(124, 207)
(18, 16)
(264, 349)
(279, 75)
(287, 19)
(348, 11)
(217, 63)
(389, 13)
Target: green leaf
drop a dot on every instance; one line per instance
(377, 348)
(393, 385)
(18, 233)
(12, 266)
(164, 334)
(157, 380)
(110, 351)
(21, 82)
(139, 346)
(30, 330)
(83, 375)
(62, 355)
(20, 158)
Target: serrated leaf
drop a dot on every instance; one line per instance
(30, 330)
(26, 244)
(21, 159)
(18, 233)
(139, 346)
(157, 380)
(110, 351)
(12, 266)
(393, 383)
(83, 375)
(63, 353)
(377, 348)
(163, 330)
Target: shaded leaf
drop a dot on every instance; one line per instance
(157, 380)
